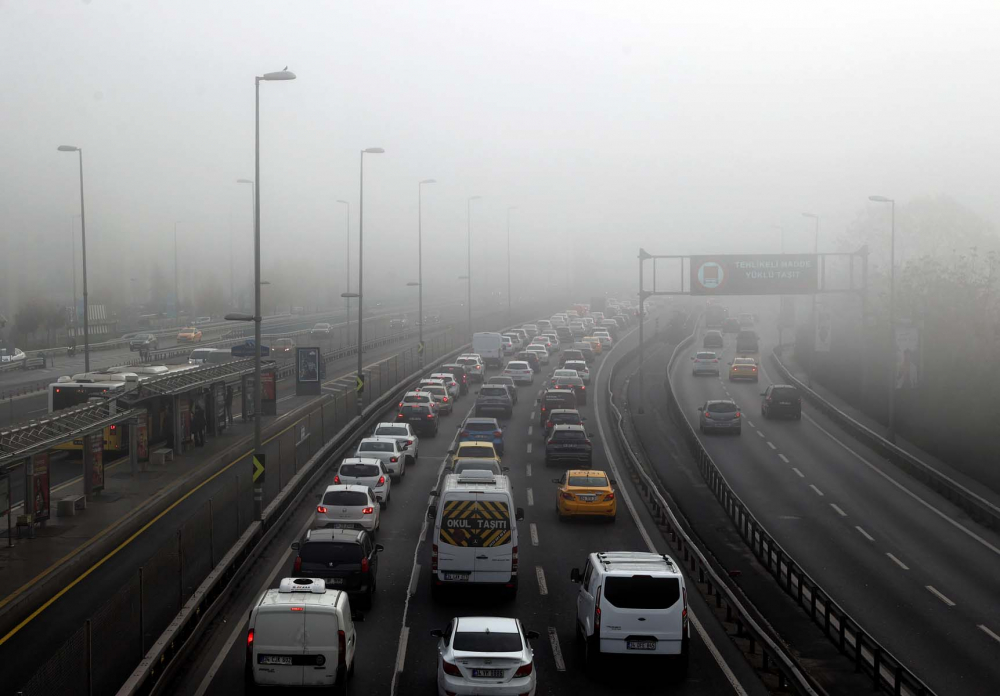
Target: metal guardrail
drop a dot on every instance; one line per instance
(980, 509)
(887, 672)
(774, 656)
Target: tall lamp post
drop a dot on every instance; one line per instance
(361, 268)
(812, 360)
(509, 208)
(891, 434)
(83, 250)
(420, 268)
(347, 259)
(253, 198)
(177, 294)
(469, 259)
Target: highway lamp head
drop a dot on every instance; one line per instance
(349, 295)
(244, 181)
(429, 181)
(68, 148)
(373, 151)
(880, 199)
(277, 76)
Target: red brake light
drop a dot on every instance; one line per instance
(548, 424)
(497, 433)
(320, 509)
(524, 670)
(610, 496)
(583, 388)
(708, 415)
(450, 668)
(567, 496)
(755, 369)
(409, 442)
(336, 479)
(513, 562)
(249, 637)
(367, 511)
(597, 611)
(586, 442)
(400, 406)
(399, 415)
(296, 608)
(364, 565)
(446, 398)
(298, 564)
(381, 480)
(737, 414)
(393, 459)
(465, 433)
(430, 416)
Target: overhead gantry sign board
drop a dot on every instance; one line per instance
(754, 274)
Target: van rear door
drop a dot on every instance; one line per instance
(457, 540)
(278, 637)
(641, 614)
(495, 553)
(321, 639)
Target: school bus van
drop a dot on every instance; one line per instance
(475, 534)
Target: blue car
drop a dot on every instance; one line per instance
(482, 430)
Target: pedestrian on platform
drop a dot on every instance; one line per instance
(198, 425)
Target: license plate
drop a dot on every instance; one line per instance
(343, 525)
(640, 644)
(274, 659)
(588, 498)
(456, 577)
(334, 581)
(488, 673)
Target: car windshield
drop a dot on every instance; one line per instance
(493, 391)
(641, 592)
(359, 470)
(377, 447)
(588, 481)
(569, 435)
(489, 642)
(345, 498)
(330, 552)
(723, 407)
(392, 430)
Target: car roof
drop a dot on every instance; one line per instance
(341, 535)
(361, 460)
(378, 438)
(721, 401)
(347, 487)
(563, 411)
(481, 420)
(564, 427)
(393, 423)
(481, 624)
(632, 561)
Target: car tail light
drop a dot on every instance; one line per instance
(336, 479)
(610, 496)
(548, 424)
(399, 416)
(451, 669)
(716, 360)
(298, 566)
(737, 414)
(583, 387)
(463, 379)
(430, 416)
(367, 511)
(434, 558)
(755, 369)
(250, 638)
(586, 442)
(400, 404)
(513, 562)
(464, 433)
(409, 442)
(320, 509)
(393, 459)
(684, 612)
(381, 480)
(497, 433)
(341, 650)
(364, 565)
(708, 415)
(446, 398)
(567, 496)
(597, 611)
(524, 670)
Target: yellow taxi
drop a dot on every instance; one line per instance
(472, 449)
(743, 368)
(587, 493)
(189, 334)
(595, 342)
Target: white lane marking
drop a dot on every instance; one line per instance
(783, 458)
(529, 448)
(981, 627)
(532, 416)
(865, 534)
(531, 497)
(903, 488)
(839, 511)
(818, 491)
(771, 445)
(760, 433)
(527, 470)
(796, 470)
(623, 492)
(534, 534)
(414, 580)
(897, 561)
(939, 595)
(404, 636)
(530, 428)
(750, 423)
(557, 651)
(239, 627)
(543, 589)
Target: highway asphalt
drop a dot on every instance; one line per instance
(397, 655)
(917, 573)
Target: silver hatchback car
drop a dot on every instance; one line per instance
(720, 415)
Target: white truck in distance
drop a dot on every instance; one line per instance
(489, 346)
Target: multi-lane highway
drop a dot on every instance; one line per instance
(916, 572)
(397, 655)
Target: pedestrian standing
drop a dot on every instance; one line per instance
(198, 425)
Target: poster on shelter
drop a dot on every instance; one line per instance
(40, 487)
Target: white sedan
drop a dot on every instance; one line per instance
(487, 655)
(520, 372)
(348, 506)
(366, 472)
(542, 351)
(404, 435)
(449, 381)
(581, 369)
(705, 362)
(387, 449)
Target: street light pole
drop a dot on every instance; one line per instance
(812, 359)
(469, 258)
(253, 199)
(420, 268)
(72, 241)
(361, 265)
(347, 259)
(83, 250)
(891, 431)
(177, 294)
(509, 208)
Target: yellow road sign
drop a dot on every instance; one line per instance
(360, 386)
(258, 468)
(420, 347)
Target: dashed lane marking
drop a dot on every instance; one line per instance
(818, 491)
(530, 427)
(561, 664)
(897, 561)
(839, 511)
(404, 636)
(527, 470)
(796, 470)
(750, 423)
(543, 589)
(865, 534)
(529, 448)
(940, 596)
(771, 445)
(981, 627)
(760, 433)
(534, 534)
(531, 497)
(783, 458)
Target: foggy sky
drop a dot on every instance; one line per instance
(680, 127)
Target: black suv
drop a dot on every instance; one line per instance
(494, 398)
(460, 375)
(553, 399)
(421, 417)
(568, 443)
(346, 559)
(781, 400)
(143, 341)
(531, 359)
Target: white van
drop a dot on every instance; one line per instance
(632, 603)
(475, 539)
(489, 346)
(209, 356)
(301, 634)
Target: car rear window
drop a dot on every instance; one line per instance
(376, 447)
(488, 642)
(328, 552)
(359, 470)
(390, 430)
(480, 427)
(556, 397)
(476, 451)
(588, 481)
(493, 391)
(723, 407)
(641, 592)
(417, 398)
(415, 410)
(345, 498)
(706, 356)
(566, 419)
(569, 435)
(785, 392)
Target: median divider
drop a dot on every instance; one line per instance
(887, 672)
(980, 509)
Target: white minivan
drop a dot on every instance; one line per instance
(475, 533)
(489, 346)
(301, 634)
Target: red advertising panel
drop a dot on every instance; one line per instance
(185, 406)
(40, 491)
(754, 274)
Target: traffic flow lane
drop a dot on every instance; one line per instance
(793, 500)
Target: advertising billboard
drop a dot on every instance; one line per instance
(307, 371)
(754, 274)
(40, 487)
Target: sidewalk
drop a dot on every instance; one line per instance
(788, 360)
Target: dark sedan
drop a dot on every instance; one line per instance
(568, 443)
(781, 400)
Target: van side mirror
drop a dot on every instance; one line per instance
(505, 469)
(379, 548)
(692, 357)
(519, 514)
(431, 512)
(437, 633)
(575, 575)
(295, 546)
(613, 482)
(531, 635)
(763, 393)
(555, 480)
(701, 408)
(357, 616)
